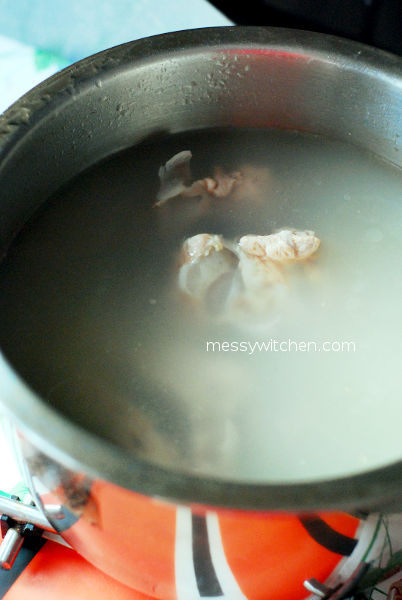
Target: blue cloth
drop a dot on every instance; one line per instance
(22, 67)
(77, 28)
(39, 37)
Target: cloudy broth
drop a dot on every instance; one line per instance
(91, 315)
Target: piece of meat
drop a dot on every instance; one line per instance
(221, 184)
(247, 183)
(262, 265)
(200, 245)
(175, 177)
(242, 280)
(206, 271)
(258, 272)
(287, 245)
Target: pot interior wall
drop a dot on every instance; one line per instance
(105, 104)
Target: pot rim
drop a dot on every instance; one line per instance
(70, 444)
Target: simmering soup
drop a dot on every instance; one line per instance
(183, 351)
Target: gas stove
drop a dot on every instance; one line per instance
(37, 563)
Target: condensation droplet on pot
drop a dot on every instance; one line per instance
(18, 116)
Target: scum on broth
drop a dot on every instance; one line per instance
(92, 318)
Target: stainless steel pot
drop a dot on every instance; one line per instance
(254, 77)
